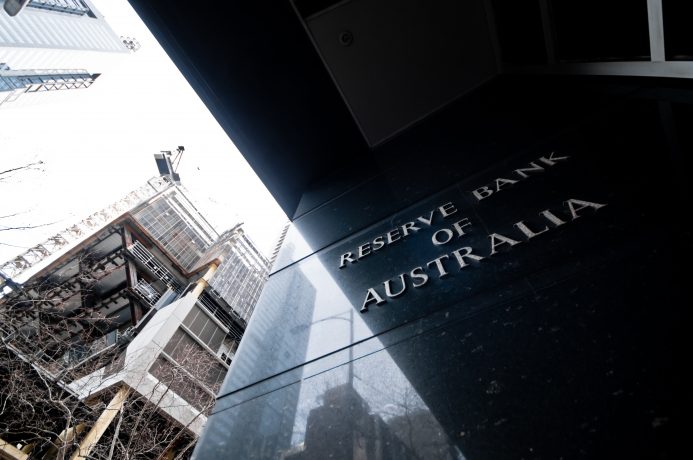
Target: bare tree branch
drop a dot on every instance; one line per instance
(4, 228)
(45, 343)
(4, 175)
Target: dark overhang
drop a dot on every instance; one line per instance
(304, 87)
(254, 67)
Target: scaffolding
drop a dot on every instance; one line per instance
(81, 230)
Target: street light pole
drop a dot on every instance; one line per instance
(350, 320)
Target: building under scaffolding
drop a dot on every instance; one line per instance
(153, 304)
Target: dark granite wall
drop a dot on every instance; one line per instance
(563, 338)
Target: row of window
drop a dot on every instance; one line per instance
(239, 280)
(77, 7)
(168, 227)
(10, 83)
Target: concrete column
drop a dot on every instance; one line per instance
(203, 282)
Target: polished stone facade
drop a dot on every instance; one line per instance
(549, 323)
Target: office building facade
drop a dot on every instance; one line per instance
(60, 25)
(44, 38)
(487, 199)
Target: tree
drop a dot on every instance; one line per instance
(8, 222)
(68, 386)
(45, 345)
(36, 359)
(5, 176)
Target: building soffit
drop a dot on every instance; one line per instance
(306, 87)
(124, 220)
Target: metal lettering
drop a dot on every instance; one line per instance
(378, 243)
(371, 296)
(388, 290)
(529, 233)
(500, 182)
(407, 227)
(426, 221)
(467, 253)
(390, 235)
(522, 172)
(551, 160)
(551, 217)
(447, 209)
(344, 259)
(501, 240)
(582, 205)
(446, 231)
(459, 226)
(439, 265)
(418, 273)
(482, 192)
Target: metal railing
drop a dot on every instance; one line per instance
(229, 320)
(142, 254)
(147, 293)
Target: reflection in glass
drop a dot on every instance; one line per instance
(365, 408)
(359, 419)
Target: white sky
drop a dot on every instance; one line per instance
(97, 144)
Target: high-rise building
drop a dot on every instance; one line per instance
(44, 37)
(144, 300)
(60, 25)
